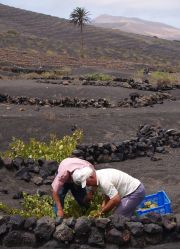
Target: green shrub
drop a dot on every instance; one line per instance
(158, 77)
(33, 206)
(98, 76)
(12, 32)
(36, 206)
(162, 78)
(71, 207)
(55, 149)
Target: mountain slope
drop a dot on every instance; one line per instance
(51, 36)
(138, 26)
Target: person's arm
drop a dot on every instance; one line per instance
(111, 203)
(57, 184)
(60, 212)
(106, 199)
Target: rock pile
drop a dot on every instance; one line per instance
(135, 100)
(39, 172)
(112, 232)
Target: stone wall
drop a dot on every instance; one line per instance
(135, 100)
(116, 82)
(149, 141)
(85, 233)
(131, 83)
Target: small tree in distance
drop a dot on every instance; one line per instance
(80, 17)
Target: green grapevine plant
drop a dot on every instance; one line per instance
(55, 149)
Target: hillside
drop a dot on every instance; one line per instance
(28, 38)
(138, 26)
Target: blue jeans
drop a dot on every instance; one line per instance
(77, 191)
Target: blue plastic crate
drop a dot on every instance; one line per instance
(162, 201)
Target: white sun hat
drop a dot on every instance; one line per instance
(79, 176)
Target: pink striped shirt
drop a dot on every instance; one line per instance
(65, 170)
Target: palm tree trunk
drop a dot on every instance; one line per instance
(82, 42)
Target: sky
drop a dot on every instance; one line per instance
(164, 11)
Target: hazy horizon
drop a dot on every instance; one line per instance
(155, 10)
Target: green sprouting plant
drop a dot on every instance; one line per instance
(71, 207)
(163, 78)
(39, 206)
(32, 206)
(98, 76)
(55, 149)
(157, 77)
(138, 75)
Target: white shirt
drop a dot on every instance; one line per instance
(113, 182)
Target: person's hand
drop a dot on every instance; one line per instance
(60, 213)
(103, 204)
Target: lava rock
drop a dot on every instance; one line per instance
(18, 162)
(136, 228)
(117, 237)
(82, 226)
(8, 163)
(51, 167)
(96, 238)
(118, 221)
(70, 222)
(16, 221)
(19, 238)
(23, 174)
(63, 233)
(3, 229)
(30, 223)
(37, 180)
(18, 195)
(44, 228)
(152, 228)
(82, 229)
(102, 222)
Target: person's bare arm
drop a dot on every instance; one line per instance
(106, 199)
(60, 212)
(111, 203)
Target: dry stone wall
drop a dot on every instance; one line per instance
(135, 100)
(112, 232)
(116, 82)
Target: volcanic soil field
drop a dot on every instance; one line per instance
(100, 124)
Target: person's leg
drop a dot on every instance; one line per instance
(79, 194)
(128, 204)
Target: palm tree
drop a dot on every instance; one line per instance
(80, 17)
